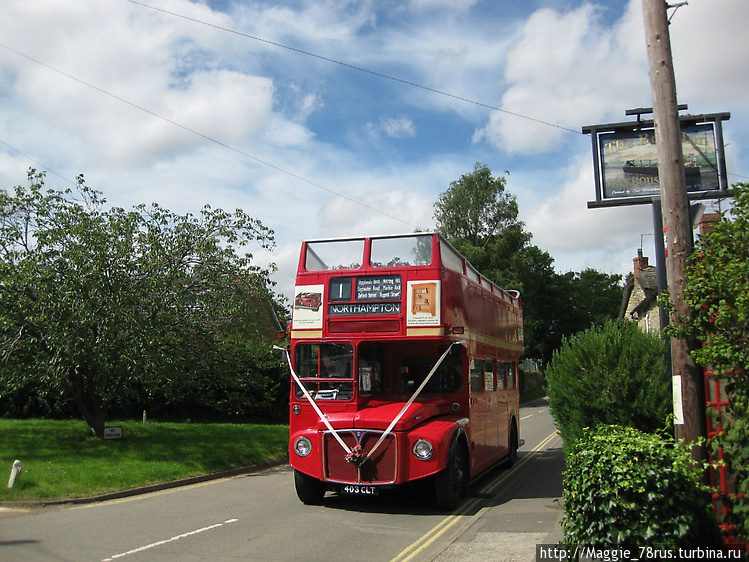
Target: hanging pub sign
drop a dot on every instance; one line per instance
(629, 161)
(626, 160)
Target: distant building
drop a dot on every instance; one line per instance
(640, 301)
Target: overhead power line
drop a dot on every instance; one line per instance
(206, 137)
(41, 164)
(354, 67)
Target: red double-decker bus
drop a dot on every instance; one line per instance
(404, 364)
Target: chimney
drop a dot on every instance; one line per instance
(707, 220)
(641, 262)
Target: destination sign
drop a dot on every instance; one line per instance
(378, 288)
(361, 309)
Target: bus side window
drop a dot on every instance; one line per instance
(511, 374)
(477, 375)
(503, 370)
(449, 375)
(489, 374)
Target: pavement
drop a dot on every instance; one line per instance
(526, 512)
(508, 533)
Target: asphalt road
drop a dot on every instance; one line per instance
(258, 517)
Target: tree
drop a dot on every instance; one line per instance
(717, 294)
(480, 218)
(99, 301)
(476, 209)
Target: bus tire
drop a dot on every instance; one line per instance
(512, 457)
(451, 484)
(309, 490)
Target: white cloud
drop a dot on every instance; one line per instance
(293, 123)
(124, 53)
(709, 41)
(393, 127)
(605, 239)
(399, 127)
(567, 69)
(458, 5)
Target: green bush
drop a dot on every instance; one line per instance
(612, 374)
(626, 487)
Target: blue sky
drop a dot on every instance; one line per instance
(198, 106)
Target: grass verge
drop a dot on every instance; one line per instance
(62, 460)
(534, 394)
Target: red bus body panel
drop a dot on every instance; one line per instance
(396, 321)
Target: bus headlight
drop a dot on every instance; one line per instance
(302, 446)
(423, 449)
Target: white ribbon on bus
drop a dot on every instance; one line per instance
(392, 424)
(410, 400)
(312, 401)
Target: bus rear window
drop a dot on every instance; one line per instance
(401, 251)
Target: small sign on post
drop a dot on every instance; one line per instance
(113, 432)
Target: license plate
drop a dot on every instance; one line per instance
(360, 490)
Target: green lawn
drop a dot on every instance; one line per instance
(62, 460)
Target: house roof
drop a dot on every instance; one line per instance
(647, 279)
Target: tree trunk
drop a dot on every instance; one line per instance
(89, 401)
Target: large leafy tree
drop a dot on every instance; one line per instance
(480, 218)
(97, 302)
(477, 209)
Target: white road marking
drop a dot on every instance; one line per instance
(159, 543)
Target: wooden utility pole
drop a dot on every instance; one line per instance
(689, 403)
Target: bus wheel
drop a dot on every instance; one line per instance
(309, 490)
(451, 485)
(512, 458)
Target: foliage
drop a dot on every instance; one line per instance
(480, 218)
(717, 293)
(626, 487)
(62, 460)
(613, 374)
(565, 304)
(110, 306)
(476, 208)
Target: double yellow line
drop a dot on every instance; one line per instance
(426, 540)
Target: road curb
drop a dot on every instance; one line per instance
(150, 488)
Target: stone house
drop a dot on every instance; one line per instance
(640, 299)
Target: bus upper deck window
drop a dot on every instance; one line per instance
(334, 254)
(398, 251)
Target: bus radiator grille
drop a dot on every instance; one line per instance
(380, 469)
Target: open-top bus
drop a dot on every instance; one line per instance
(404, 364)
